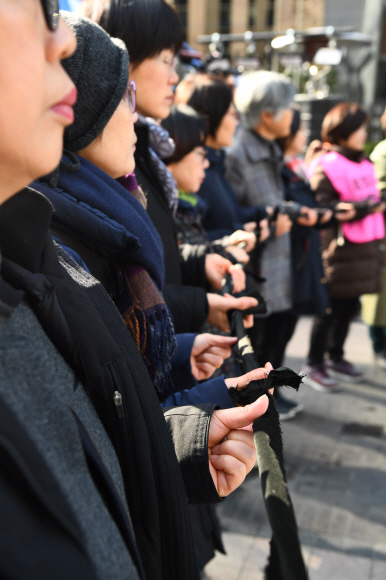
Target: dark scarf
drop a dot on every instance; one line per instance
(161, 146)
(111, 208)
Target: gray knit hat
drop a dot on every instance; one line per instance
(100, 70)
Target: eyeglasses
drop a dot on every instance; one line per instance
(200, 151)
(130, 96)
(170, 62)
(51, 13)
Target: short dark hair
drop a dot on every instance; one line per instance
(187, 129)
(212, 99)
(341, 121)
(284, 142)
(146, 27)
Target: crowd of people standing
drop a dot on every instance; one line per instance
(125, 202)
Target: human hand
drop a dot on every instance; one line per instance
(283, 224)
(250, 226)
(380, 208)
(310, 216)
(326, 216)
(219, 306)
(348, 213)
(244, 380)
(249, 238)
(238, 253)
(264, 230)
(232, 452)
(208, 353)
(216, 267)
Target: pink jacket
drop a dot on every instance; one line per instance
(354, 182)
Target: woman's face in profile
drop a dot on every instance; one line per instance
(357, 140)
(37, 95)
(227, 128)
(113, 150)
(155, 78)
(189, 172)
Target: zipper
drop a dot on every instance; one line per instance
(123, 438)
(119, 404)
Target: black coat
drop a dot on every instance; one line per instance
(224, 215)
(309, 289)
(185, 286)
(85, 327)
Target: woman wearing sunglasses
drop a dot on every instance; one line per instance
(36, 94)
(39, 535)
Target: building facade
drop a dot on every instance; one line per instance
(238, 16)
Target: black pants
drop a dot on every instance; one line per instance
(270, 336)
(329, 332)
(378, 338)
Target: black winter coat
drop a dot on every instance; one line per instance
(309, 289)
(224, 215)
(185, 286)
(86, 328)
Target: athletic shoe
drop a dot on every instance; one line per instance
(344, 371)
(287, 409)
(318, 378)
(380, 360)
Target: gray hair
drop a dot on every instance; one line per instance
(263, 91)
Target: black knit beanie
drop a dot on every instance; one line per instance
(100, 70)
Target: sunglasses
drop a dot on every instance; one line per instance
(130, 96)
(51, 13)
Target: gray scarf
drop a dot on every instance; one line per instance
(161, 146)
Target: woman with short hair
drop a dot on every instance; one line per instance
(153, 34)
(213, 100)
(188, 163)
(344, 180)
(310, 295)
(264, 100)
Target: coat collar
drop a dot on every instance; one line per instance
(24, 227)
(350, 154)
(215, 156)
(259, 149)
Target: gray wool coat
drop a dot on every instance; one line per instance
(253, 167)
(38, 386)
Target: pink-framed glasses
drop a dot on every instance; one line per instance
(130, 96)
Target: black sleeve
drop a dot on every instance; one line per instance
(188, 305)
(193, 264)
(189, 428)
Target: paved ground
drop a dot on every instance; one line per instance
(337, 480)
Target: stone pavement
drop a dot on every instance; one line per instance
(337, 480)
